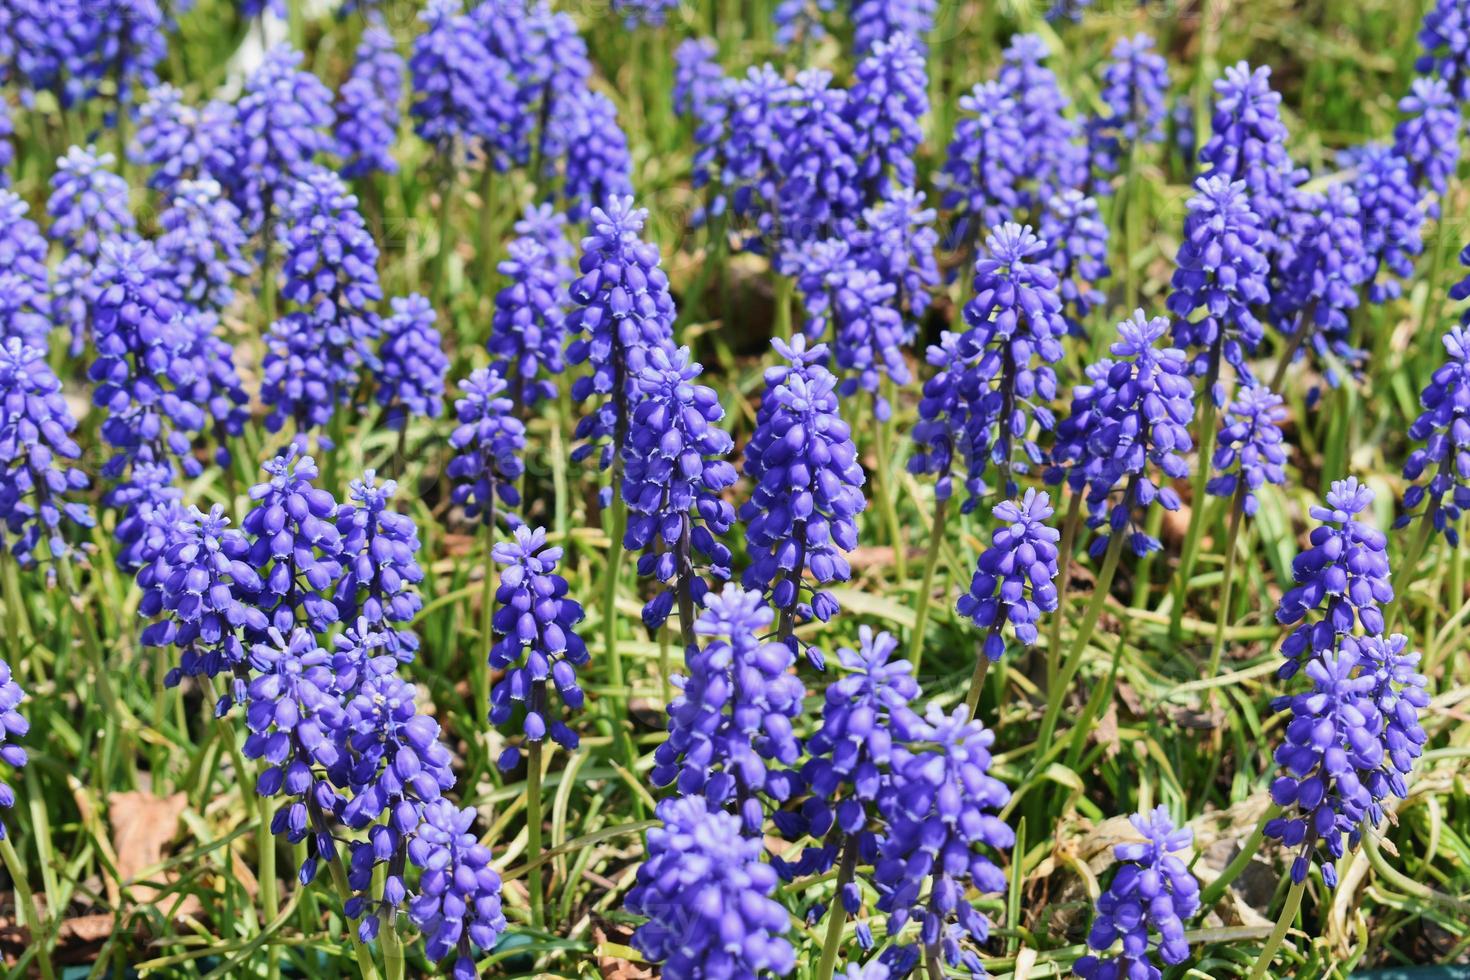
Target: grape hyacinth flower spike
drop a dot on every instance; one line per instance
(411, 363)
(294, 543)
(1444, 429)
(88, 203)
(489, 441)
(367, 106)
(1252, 451)
(13, 725)
(380, 568)
(457, 903)
(24, 280)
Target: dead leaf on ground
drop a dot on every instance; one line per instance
(143, 825)
(616, 967)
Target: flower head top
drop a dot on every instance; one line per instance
(818, 186)
(1429, 138)
(707, 896)
(676, 470)
(13, 725)
(897, 239)
(1444, 428)
(536, 625)
(181, 141)
(490, 441)
(1248, 141)
(802, 513)
(88, 203)
(1077, 251)
(749, 156)
(294, 543)
(877, 21)
(1251, 450)
(459, 88)
(1391, 215)
(597, 167)
(331, 258)
(952, 398)
(699, 81)
(528, 328)
(282, 126)
(411, 362)
(1152, 892)
(801, 20)
(1013, 579)
(380, 567)
(1445, 40)
(457, 904)
(1135, 82)
(1344, 574)
(150, 511)
(885, 109)
(202, 242)
(982, 173)
(1052, 156)
(730, 727)
(367, 106)
(24, 282)
(35, 442)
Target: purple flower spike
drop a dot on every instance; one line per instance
(699, 80)
(707, 896)
(457, 904)
(88, 203)
(490, 441)
(13, 725)
(411, 363)
(1077, 241)
(1014, 579)
(1248, 142)
(367, 107)
(1444, 428)
(528, 329)
(294, 543)
(202, 242)
(183, 142)
(24, 282)
(1445, 40)
(1429, 138)
(598, 167)
(982, 174)
(889, 99)
(380, 567)
(1392, 218)
(1135, 82)
(1152, 892)
(1251, 450)
(877, 21)
(819, 169)
(899, 242)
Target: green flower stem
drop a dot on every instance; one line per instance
(480, 669)
(1064, 557)
(40, 928)
(926, 585)
(617, 701)
(977, 679)
(92, 643)
(1197, 500)
(365, 965)
(836, 914)
(888, 504)
(1273, 942)
(1237, 513)
(442, 246)
(393, 958)
(1213, 892)
(533, 816)
(781, 328)
(488, 223)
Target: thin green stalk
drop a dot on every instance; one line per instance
(926, 585)
(97, 659)
(1237, 512)
(1298, 337)
(977, 679)
(1131, 216)
(1283, 923)
(40, 929)
(1409, 566)
(488, 223)
(784, 289)
(1212, 892)
(889, 505)
(533, 818)
(1197, 508)
(480, 670)
(265, 841)
(442, 246)
(617, 700)
(394, 962)
(836, 914)
(1064, 556)
(365, 965)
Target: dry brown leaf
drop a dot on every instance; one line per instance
(616, 967)
(1106, 732)
(143, 825)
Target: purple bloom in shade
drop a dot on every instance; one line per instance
(1135, 81)
(1221, 269)
(1391, 216)
(1128, 431)
(1181, 118)
(216, 383)
(463, 95)
(74, 292)
(528, 328)
(1013, 580)
(801, 517)
(622, 311)
(1445, 40)
(597, 166)
(1077, 241)
(854, 307)
(294, 543)
(535, 623)
(877, 21)
(367, 106)
(293, 710)
(699, 81)
(88, 203)
(411, 362)
(1052, 155)
(303, 377)
(1344, 574)
(150, 510)
(898, 241)
(1251, 450)
(282, 125)
(24, 281)
(204, 587)
(1248, 143)
(36, 429)
(380, 569)
(547, 227)
(800, 21)
(202, 242)
(1321, 266)
(707, 896)
(982, 174)
(183, 142)
(885, 109)
(489, 440)
(749, 160)
(13, 725)
(1152, 892)
(730, 726)
(951, 398)
(941, 826)
(644, 12)
(675, 472)
(818, 185)
(1444, 429)
(1429, 138)
(457, 904)
(546, 62)
(1012, 319)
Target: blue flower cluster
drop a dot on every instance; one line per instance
(1391, 216)
(1429, 137)
(1077, 251)
(877, 21)
(528, 328)
(818, 168)
(88, 203)
(380, 569)
(411, 363)
(1014, 578)
(489, 441)
(183, 142)
(281, 126)
(1445, 40)
(458, 901)
(24, 281)
(367, 106)
(886, 108)
(295, 545)
(898, 240)
(1444, 428)
(982, 176)
(597, 167)
(1251, 450)
(13, 725)
(1248, 143)
(202, 242)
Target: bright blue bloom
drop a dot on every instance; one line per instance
(982, 174)
(675, 473)
(367, 107)
(1135, 82)
(545, 61)
(623, 311)
(457, 905)
(13, 725)
(88, 203)
(24, 281)
(122, 40)
(463, 95)
(898, 241)
(283, 119)
(699, 81)
(877, 21)
(36, 429)
(1251, 450)
(411, 362)
(885, 109)
(536, 625)
(806, 493)
(74, 293)
(1344, 574)
(1052, 157)
(1248, 142)
(1013, 579)
(707, 896)
(183, 142)
(1429, 138)
(952, 398)
(730, 727)
(294, 544)
(1445, 40)
(1221, 268)
(202, 242)
(818, 185)
(1077, 251)
(598, 168)
(1444, 428)
(1391, 216)
(749, 163)
(854, 308)
(150, 509)
(1400, 694)
(941, 831)
(1128, 430)
(490, 441)
(1152, 892)
(380, 568)
(528, 328)
(302, 377)
(216, 383)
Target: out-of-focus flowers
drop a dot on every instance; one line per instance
(1429, 138)
(13, 725)
(202, 243)
(24, 281)
(281, 127)
(411, 362)
(181, 141)
(88, 203)
(367, 106)
(885, 108)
